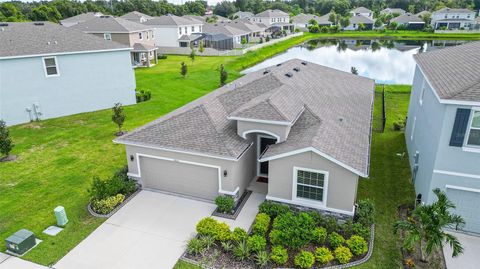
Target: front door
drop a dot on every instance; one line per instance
(264, 142)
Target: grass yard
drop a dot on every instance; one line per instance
(389, 183)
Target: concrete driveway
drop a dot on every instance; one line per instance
(150, 231)
(469, 259)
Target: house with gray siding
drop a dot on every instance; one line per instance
(59, 72)
(453, 19)
(443, 129)
(300, 129)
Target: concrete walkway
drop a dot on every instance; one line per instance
(470, 258)
(247, 215)
(11, 262)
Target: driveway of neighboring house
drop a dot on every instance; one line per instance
(151, 231)
(469, 258)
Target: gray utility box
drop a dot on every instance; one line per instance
(20, 242)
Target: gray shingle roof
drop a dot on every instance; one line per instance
(217, 28)
(453, 72)
(360, 19)
(393, 10)
(242, 14)
(407, 18)
(26, 38)
(335, 118)
(81, 17)
(361, 10)
(271, 13)
(306, 18)
(135, 16)
(140, 47)
(171, 20)
(109, 24)
(245, 25)
(447, 10)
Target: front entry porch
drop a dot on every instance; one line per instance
(144, 55)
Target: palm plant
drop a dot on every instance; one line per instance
(426, 227)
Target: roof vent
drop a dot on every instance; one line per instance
(279, 64)
(304, 63)
(38, 23)
(266, 72)
(55, 42)
(3, 24)
(289, 74)
(296, 69)
(105, 16)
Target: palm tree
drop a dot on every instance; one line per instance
(426, 227)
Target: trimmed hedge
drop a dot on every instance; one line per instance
(262, 222)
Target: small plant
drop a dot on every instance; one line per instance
(267, 38)
(343, 254)
(162, 56)
(227, 246)
(183, 69)
(410, 263)
(192, 55)
(304, 260)
(6, 144)
(399, 126)
(331, 225)
(323, 255)
(239, 234)
(201, 49)
(347, 228)
(195, 246)
(207, 226)
(256, 243)
(105, 206)
(241, 251)
(291, 230)
(223, 232)
(361, 230)
(365, 213)
(143, 96)
(319, 235)
(336, 240)
(261, 258)
(224, 203)
(262, 222)
(104, 188)
(279, 255)
(273, 209)
(357, 245)
(223, 75)
(208, 241)
(317, 217)
(118, 117)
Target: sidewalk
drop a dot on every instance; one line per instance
(248, 213)
(11, 262)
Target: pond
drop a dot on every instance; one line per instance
(387, 61)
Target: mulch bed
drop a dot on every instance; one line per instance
(127, 199)
(435, 260)
(236, 210)
(8, 158)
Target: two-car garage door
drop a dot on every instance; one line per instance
(467, 204)
(179, 177)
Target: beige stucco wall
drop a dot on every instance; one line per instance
(131, 38)
(342, 184)
(280, 130)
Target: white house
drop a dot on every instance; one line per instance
(60, 72)
(363, 11)
(174, 31)
(357, 20)
(392, 11)
(453, 18)
(269, 17)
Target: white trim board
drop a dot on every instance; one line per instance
(261, 121)
(457, 174)
(61, 53)
(244, 134)
(286, 201)
(462, 188)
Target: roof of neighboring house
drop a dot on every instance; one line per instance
(393, 10)
(361, 10)
(195, 18)
(271, 13)
(306, 18)
(140, 47)
(360, 19)
(453, 10)
(453, 71)
(407, 18)
(219, 28)
(171, 20)
(245, 24)
(242, 14)
(219, 18)
(109, 24)
(423, 13)
(331, 112)
(135, 16)
(28, 39)
(81, 17)
(191, 37)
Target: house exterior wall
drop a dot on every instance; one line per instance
(120, 38)
(342, 184)
(87, 82)
(270, 20)
(245, 127)
(131, 38)
(438, 17)
(167, 36)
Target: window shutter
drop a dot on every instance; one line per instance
(460, 127)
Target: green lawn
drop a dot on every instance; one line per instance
(389, 183)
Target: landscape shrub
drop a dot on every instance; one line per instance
(256, 243)
(262, 222)
(239, 234)
(279, 255)
(195, 246)
(314, 29)
(304, 260)
(293, 231)
(207, 226)
(324, 29)
(207, 240)
(224, 203)
(323, 255)
(357, 245)
(227, 246)
(119, 183)
(317, 217)
(336, 240)
(273, 209)
(331, 225)
(365, 213)
(343, 254)
(143, 95)
(241, 251)
(223, 232)
(398, 125)
(105, 206)
(275, 237)
(347, 228)
(319, 235)
(361, 230)
(161, 56)
(261, 258)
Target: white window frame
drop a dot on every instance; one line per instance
(470, 121)
(45, 66)
(302, 200)
(107, 36)
(413, 127)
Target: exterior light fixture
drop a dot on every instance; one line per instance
(132, 158)
(225, 173)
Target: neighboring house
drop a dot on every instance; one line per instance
(357, 20)
(421, 14)
(362, 11)
(397, 11)
(270, 17)
(453, 19)
(302, 21)
(255, 32)
(214, 18)
(80, 18)
(409, 21)
(136, 16)
(174, 31)
(236, 35)
(304, 128)
(138, 36)
(443, 128)
(60, 72)
(242, 15)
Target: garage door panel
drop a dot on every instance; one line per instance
(178, 177)
(467, 205)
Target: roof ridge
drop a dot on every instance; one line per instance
(202, 107)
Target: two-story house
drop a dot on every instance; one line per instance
(174, 31)
(453, 19)
(393, 11)
(443, 128)
(303, 21)
(269, 17)
(59, 72)
(138, 36)
(362, 11)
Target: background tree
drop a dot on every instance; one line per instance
(201, 49)
(344, 22)
(225, 8)
(183, 69)
(426, 227)
(361, 27)
(6, 144)
(192, 54)
(118, 117)
(244, 41)
(223, 75)
(332, 17)
(45, 13)
(378, 23)
(393, 25)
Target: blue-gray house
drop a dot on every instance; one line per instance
(443, 128)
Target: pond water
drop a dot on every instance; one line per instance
(386, 61)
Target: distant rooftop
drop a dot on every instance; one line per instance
(109, 24)
(271, 13)
(172, 20)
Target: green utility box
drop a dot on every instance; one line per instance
(61, 216)
(20, 242)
